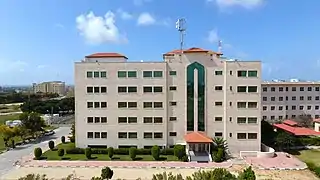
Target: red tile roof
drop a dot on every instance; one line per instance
(106, 55)
(191, 50)
(297, 131)
(197, 137)
(290, 122)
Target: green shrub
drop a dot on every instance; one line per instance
(34, 177)
(133, 153)
(184, 158)
(61, 152)
(122, 151)
(37, 153)
(51, 145)
(155, 152)
(110, 152)
(72, 139)
(99, 151)
(247, 174)
(106, 173)
(143, 151)
(63, 139)
(88, 153)
(75, 151)
(179, 151)
(167, 151)
(218, 155)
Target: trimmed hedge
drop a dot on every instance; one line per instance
(120, 151)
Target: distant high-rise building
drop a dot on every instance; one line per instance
(57, 87)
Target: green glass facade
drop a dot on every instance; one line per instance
(190, 96)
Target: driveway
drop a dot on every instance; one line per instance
(7, 159)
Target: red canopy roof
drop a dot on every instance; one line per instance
(197, 137)
(297, 131)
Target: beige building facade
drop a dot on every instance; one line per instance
(57, 87)
(123, 103)
(290, 99)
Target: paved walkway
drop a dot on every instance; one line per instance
(281, 162)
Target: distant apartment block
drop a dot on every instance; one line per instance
(290, 99)
(188, 98)
(57, 87)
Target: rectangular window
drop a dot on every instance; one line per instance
(103, 89)
(252, 105)
(218, 103)
(309, 98)
(242, 89)
(280, 108)
(157, 89)
(218, 134)
(280, 89)
(122, 135)
(132, 89)
(173, 73)
(157, 73)
(132, 119)
(218, 73)
(173, 103)
(89, 119)
(309, 88)
(147, 74)
(122, 104)
(147, 119)
(122, 120)
(241, 136)
(241, 120)
(293, 89)
(96, 119)
(103, 104)
(96, 74)
(157, 105)
(172, 133)
(301, 88)
(273, 89)
(172, 88)
(264, 89)
(264, 108)
(301, 98)
(89, 74)
(122, 89)
(147, 89)
(147, 104)
(217, 118)
(96, 104)
(242, 73)
(218, 88)
(157, 120)
(96, 89)
(293, 98)
(90, 135)
(242, 104)
(103, 74)
(264, 98)
(172, 118)
(104, 119)
(122, 74)
(96, 134)
(133, 135)
(252, 135)
(273, 98)
(132, 74)
(147, 135)
(252, 73)
(252, 120)
(273, 108)
(132, 104)
(89, 104)
(252, 89)
(104, 135)
(158, 135)
(90, 89)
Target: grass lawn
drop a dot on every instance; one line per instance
(4, 118)
(310, 155)
(53, 155)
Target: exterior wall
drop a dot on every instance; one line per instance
(287, 111)
(50, 87)
(229, 129)
(317, 126)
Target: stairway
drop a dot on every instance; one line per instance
(201, 157)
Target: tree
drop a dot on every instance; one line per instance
(106, 173)
(73, 133)
(179, 151)
(61, 152)
(110, 152)
(32, 121)
(218, 156)
(88, 153)
(165, 176)
(7, 134)
(247, 174)
(133, 153)
(219, 149)
(268, 135)
(304, 120)
(284, 140)
(21, 132)
(155, 152)
(34, 177)
(216, 174)
(37, 153)
(63, 139)
(51, 145)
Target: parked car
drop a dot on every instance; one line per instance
(49, 133)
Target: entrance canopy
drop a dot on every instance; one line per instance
(197, 137)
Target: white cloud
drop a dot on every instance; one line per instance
(248, 4)
(213, 36)
(98, 29)
(11, 66)
(146, 19)
(124, 15)
(140, 2)
(58, 25)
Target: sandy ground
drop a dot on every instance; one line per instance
(146, 174)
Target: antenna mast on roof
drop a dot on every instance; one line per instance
(181, 26)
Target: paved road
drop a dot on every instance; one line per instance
(8, 158)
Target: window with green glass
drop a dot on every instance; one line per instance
(96, 74)
(147, 73)
(122, 74)
(89, 74)
(242, 73)
(132, 73)
(218, 73)
(173, 73)
(252, 73)
(157, 73)
(103, 74)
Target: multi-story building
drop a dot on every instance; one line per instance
(188, 98)
(57, 87)
(290, 99)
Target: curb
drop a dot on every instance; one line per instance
(284, 169)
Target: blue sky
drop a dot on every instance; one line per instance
(40, 40)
